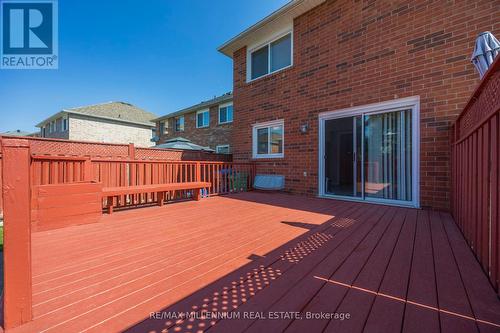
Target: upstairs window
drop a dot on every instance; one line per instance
(268, 140)
(202, 118)
(65, 124)
(275, 55)
(226, 114)
(179, 124)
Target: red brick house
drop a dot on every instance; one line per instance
(208, 124)
(354, 99)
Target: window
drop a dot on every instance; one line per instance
(161, 126)
(271, 57)
(222, 149)
(65, 124)
(43, 132)
(179, 124)
(226, 114)
(202, 118)
(268, 139)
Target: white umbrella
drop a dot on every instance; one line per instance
(485, 51)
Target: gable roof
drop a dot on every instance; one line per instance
(267, 25)
(227, 97)
(117, 111)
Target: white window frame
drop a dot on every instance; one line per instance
(203, 111)
(268, 124)
(223, 146)
(268, 43)
(224, 106)
(175, 123)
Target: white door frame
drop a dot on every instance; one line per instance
(412, 103)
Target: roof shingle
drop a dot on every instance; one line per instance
(118, 110)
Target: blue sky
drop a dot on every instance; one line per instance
(157, 54)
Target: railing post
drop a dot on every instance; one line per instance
(198, 171)
(17, 232)
(131, 151)
(87, 170)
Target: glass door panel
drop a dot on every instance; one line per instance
(388, 155)
(341, 154)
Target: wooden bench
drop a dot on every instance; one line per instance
(111, 192)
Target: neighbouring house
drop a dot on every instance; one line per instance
(354, 99)
(113, 122)
(208, 124)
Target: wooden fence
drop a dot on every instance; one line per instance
(475, 172)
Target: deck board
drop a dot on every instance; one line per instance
(339, 265)
(394, 285)
(361, 295)
(422, 284)
(261, 252)
(330, 295)
(451, 291)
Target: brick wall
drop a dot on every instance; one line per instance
(215, 134)
(108, 131)
(350, 53)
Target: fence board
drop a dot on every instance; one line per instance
(475, 173)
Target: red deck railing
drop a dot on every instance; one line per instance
(78, 149)
(225, 177)
(475, 172)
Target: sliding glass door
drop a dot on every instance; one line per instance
(369, 156)
(387, 155)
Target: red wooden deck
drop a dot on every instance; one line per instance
(257, 255)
